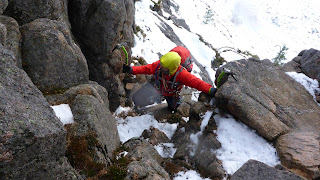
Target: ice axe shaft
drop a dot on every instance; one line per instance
(233, 76)
(118, 46)
(228, 72)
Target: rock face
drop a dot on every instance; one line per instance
(155, 136)
(91, 115)
(90, 108)
(32, 141)
(198, 154)
(26, 11)
(12, 38)
(269, 101)
(300, 151)
(51, 58)
(145, 161)
(98, 26)
(307, 62)
(3, 5)
(310, 63)
(257, 170)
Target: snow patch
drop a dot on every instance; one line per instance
(63, 112)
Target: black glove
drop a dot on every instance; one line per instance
(212, 91)
(127, 69)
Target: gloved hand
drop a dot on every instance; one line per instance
(127, 69)
(212, 91)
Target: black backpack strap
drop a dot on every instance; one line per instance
(175, 77)
(187, 63)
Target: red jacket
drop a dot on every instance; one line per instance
(184, 77)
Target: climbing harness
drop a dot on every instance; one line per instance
(168, 86)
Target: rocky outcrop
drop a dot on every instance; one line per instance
(92, 88)
(32, 141)
(267, 99)
(3, 33)
(293, 65)
(12, 38)
(310, 63)
(35, 145)
(300, 152)
(307, 62)
(155, 136)
(3, 5)
(90, 108)
(253, 169)
(26, 11)
(184, 109)
(98, 26)
(90, 114)
(207, 162)
(198, 153)
(271, 102)
(51, 57)
(196, 110)
(145, 161)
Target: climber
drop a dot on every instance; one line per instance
(168, 80)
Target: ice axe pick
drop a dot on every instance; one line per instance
(121, 46)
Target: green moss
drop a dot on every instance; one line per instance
(137, 30)
(172, 168)
(53, 90)
(247, 53)
(174, 118)
(81, 153)
(219, 60)
(119, 168)
(116, 172)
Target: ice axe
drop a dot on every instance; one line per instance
(223, 77)
(121, 46)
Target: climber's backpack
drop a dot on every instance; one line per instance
(185, 55)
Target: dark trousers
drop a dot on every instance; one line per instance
(173, 102)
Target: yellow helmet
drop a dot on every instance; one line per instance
(171, 60)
